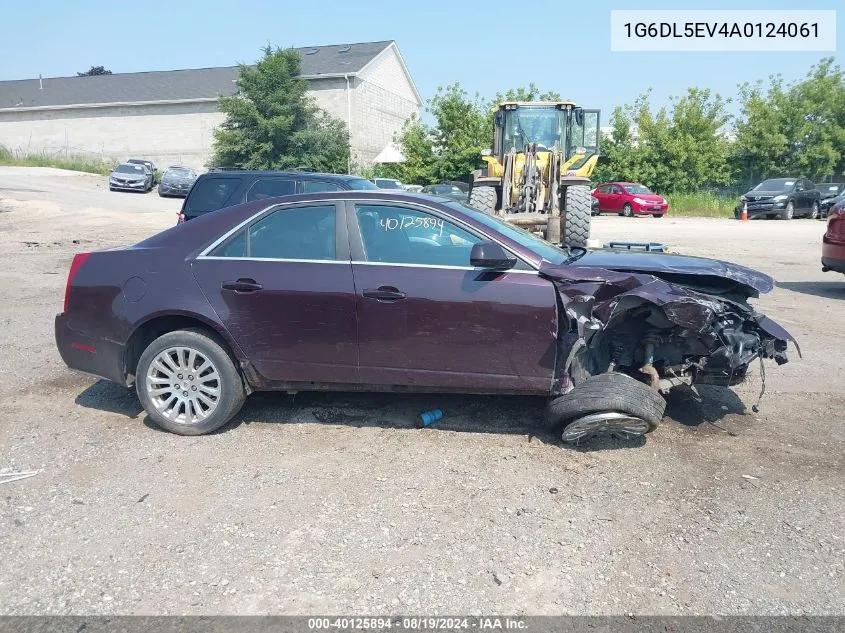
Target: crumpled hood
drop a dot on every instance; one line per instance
(681, 268)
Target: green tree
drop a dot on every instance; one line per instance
(417, 146)
(272, 123)
(93, 71)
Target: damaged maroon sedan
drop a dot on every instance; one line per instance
(375, 291)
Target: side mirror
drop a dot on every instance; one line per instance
(486, 151)
(491, 255)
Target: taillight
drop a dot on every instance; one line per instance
(77, 262)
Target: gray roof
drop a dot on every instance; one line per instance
(170, 85)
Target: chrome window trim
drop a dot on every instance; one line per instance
(337, 202)
(444, 267)
(278, 259)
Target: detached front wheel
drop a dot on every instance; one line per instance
(606, 404)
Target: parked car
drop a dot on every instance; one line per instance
(143, 161)
(388, 183)
(413, 188)
(447, 191)
(629, 199)
(828, 203)
(176, 181)
(379, 291)
(831, 193)
(222, 188)
(833, 241)
(784, 198)
(130, 177)
(463, 186)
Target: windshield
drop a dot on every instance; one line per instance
(388, 184)
(775, 184)
(537, 245)
(635, 189)
(545, 126)
(130, 169)
(360, 184)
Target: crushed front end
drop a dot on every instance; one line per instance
(667, 327)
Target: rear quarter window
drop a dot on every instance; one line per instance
(210, 194)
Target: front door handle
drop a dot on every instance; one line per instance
(385, 293)
(242, 285)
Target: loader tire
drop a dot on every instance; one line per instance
(577, 210)
(483, 198)
(613, 391)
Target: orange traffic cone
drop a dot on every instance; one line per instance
(745, 212)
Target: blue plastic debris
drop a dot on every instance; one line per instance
(427, 418)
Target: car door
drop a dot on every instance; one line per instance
(800, 196)
(811, 193)
(602, 194)
(427, 319)
(282, 286)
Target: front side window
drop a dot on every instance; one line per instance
(271, 188)
(604, 189)
(299, 233)
(407, 236)
(211, 194)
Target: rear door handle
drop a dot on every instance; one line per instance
(385, 293)
(242, 285)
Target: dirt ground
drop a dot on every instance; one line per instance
(336, 503)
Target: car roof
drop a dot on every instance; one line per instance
(284, 172)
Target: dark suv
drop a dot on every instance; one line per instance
(221, 188)
(784, 198)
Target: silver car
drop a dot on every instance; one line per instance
(130, 177)
(176, 181)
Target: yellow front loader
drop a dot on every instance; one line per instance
(538, 170)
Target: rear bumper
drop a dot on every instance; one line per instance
(89, 354)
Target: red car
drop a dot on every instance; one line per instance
(833, 242)
(629, 199)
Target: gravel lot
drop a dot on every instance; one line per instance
(335, 503)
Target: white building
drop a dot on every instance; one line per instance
(168, 116)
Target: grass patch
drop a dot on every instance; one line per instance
(73, 162)
(701, 205)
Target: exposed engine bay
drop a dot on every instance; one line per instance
(665, 326)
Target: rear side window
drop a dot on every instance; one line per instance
(271, 188)
(314, 186)
(210, 194)
(299, 233)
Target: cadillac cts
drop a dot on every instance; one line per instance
(382, 291)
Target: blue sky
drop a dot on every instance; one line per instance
(440, 41)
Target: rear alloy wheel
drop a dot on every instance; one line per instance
(577, 210)
(606, 404)
(628, 210)
(789, 212)
(814, 212)
(483, 198)
(188, 383)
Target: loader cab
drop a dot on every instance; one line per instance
(562, 125)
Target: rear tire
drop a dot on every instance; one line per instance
(628, 210)
(613, 391)
(174, 380)
(814, 212)
(484, 199)
(577, 212)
